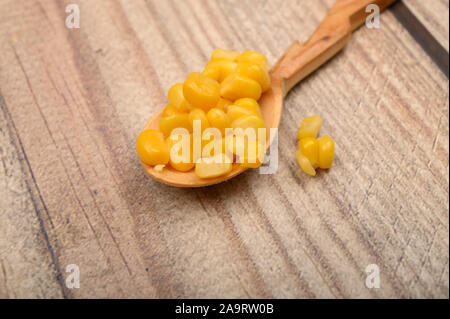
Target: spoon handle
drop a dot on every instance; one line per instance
(329, 38)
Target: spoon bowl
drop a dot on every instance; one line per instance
(270, 103)
(298, 61)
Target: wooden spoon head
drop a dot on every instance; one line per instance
(271, 104)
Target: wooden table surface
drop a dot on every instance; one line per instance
(72, 190)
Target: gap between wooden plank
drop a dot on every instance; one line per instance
(422, 36)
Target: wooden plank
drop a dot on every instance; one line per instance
(78, 98)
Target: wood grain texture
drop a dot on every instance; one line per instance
(434, 15)
(423, 36)
(72, 189)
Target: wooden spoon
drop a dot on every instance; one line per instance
(298, 62)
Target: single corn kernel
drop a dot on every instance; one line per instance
(249, 121)
(212, 144)
(170, 110)
(151, 147)
(167, 124)
(310, 127)
(218, 119)
(203, 140)
(235, 112)
(326, 151)
(235, 145)
(250, 153)
(253, 154)
(213, 167)
(250, 104)
(304, 163)
(180, 152)
(224, 54)
(254, 58)
(199, 114)
(255, 72)
(310, 148)
(223, 104)
(235, 87)
(219, 69)
(159, 167)
(200, 91)
(212, 71)
(176, 98)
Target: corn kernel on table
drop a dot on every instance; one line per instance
(72, 189)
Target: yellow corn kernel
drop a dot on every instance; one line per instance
(235, 87)
(310, 127)
(235, 112)
(176, 98)
(168, 123)
(255, 72)
(213, 166)
(235, 145)
(248, 121)
(170, 110)
(180, 152)
(250, 153)
(254, 58)
(223, 104)
(212, 71)
(226, 67)
(199, 114)
(219, 69)
(159, 167)
(224, 54)
(310, 149)
(253, 154)
(151, 147)
(212, 144)
(250, 104)
(304, 163)
(218, 119)
(200, 91)
(326, 151)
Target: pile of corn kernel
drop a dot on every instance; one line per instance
(312, 152)
(225, 95)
